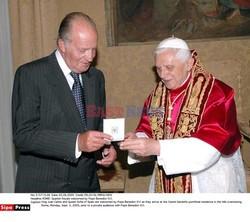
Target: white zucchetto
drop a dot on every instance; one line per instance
(172, 42)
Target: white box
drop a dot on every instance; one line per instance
(115, 128)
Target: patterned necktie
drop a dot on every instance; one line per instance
(78, 93)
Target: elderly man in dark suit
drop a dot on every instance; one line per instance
(51, 128)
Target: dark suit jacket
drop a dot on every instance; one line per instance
(46, 123)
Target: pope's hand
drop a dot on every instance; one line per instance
(141, 146)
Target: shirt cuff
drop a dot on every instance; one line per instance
(141, 135)
(77, 152)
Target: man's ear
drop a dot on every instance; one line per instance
(61, 45)
(190, 63)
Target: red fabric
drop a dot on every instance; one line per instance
(244, 3)
(219, 122)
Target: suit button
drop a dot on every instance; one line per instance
(69, 182)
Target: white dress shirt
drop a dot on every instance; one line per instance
(66, 71)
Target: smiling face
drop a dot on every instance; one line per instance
(172, 71)
(80, 49)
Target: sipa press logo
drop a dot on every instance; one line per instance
(14, 207)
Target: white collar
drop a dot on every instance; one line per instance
(66, 70)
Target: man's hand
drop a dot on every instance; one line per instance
(129, 136)
(91, 141)
(141, 146)
(109, 156)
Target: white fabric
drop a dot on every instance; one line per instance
(77, 152)
(66, 71)
(210, 171)
(186, 155)
(172, 42)
(225, 176)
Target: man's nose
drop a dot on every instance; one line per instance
(90, 55)
(163, 72)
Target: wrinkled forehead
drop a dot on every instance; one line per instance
(166, 51)
(170, 57)
(166, 54)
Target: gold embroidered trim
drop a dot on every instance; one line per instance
(157, 125)
(156, 118)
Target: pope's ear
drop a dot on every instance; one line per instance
(190, 63)
(61, 45)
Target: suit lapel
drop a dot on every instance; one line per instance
(64, 94)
